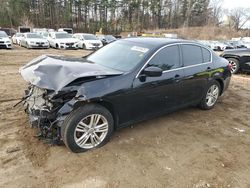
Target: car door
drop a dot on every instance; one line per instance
(154, 95)
(198, 67)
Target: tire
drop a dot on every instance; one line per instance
(234, 64)
(78, 124)
(83, 46)
(57, 46)
(211, 96)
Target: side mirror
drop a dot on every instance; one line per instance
(153, 71)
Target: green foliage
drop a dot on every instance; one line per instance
(113, 16)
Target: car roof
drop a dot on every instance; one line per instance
(158, 42)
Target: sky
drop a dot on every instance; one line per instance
(230, 4)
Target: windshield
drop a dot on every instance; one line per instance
(62, 35)
(120, 55)
(33, 36)
(45, 34)
(89, 37)
(18, 34)
(110, 37)
(3, 34)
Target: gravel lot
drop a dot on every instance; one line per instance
(188, 148)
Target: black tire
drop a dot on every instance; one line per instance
(71, 122)
(57, 46)
(235, 65)
(83, 46)
(204, 103)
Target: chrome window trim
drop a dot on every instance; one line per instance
(178, 44)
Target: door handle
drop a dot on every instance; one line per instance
(177, 76)
(208, 68)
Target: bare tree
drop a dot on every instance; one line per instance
(217, 11)
(239, 17)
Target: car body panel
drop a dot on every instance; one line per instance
(242, 55)
(5, 41)
(62, 43)
(130, 96)
(28, 42)
(86, 43)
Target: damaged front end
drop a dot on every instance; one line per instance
(43, 108)
(56, 85)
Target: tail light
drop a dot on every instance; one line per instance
(229, 66)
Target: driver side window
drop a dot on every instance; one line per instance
(167, 59)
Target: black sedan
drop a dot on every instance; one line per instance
(83, 100)
(239, 59)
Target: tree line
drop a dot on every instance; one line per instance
(113, 16)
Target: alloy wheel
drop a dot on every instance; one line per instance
(91, 131)
(212, 95)
(233, 66)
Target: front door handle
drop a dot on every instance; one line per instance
(177, 76)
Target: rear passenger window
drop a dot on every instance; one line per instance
(192, 54)
(166, 59)
(206, 55)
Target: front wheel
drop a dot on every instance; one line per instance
(87, 127)
(211, 96)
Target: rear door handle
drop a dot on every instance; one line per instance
(177, 78)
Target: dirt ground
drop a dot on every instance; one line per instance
(188, 148)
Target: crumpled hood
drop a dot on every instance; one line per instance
(55, 72)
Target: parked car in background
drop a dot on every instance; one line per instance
(17, 38)
(83, 100)
(88, 41)
(5, 41)
(239, 59)
(62, 40)
(33, 40)
(237, 44)
(106, 39)
(220, 46)
(68, 30)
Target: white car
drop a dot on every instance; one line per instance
(5, 41)
(88, 41)
(17, 38)
(33, 40)
(62, 40)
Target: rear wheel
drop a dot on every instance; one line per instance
(235, 65)
(211, 96)
(87, 127)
